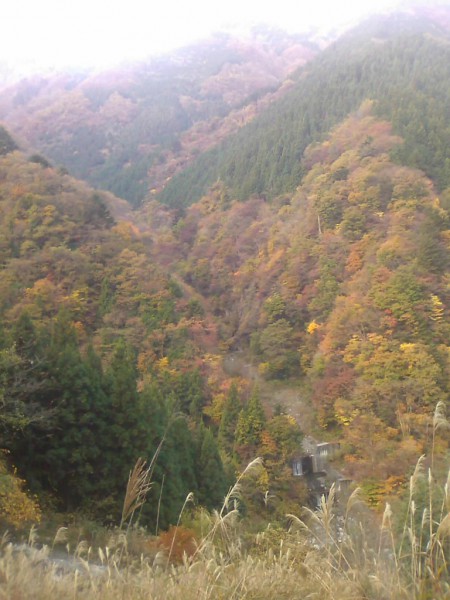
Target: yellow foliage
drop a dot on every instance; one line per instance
(313, 327)
(163, 363)
(213, 360)
(345, 411)
(49, 214)
(274, 258)
(145, 361)
(215, 409)
(16, 507)
(268, 444)
(43, 289)
(264, 368)
(77, 300)
(437, 308)
(446, 237)
(126, 230)
(163, 366)
(263, 479)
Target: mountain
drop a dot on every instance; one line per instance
(342, 283)
(312, 241)
(400, 61)
(106, 357)
(101, 353)
(129, 130)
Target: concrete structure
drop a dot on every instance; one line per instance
(314, 458)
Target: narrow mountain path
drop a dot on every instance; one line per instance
(287, 393)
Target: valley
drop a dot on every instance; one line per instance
(210, 260)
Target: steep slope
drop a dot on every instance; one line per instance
(327, 262)
(104, 356)
(401, 61)
(112, 128)
(343, 283)
(98, 350)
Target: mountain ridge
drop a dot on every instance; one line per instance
(321, 251)
(265, 157)
(112, 127)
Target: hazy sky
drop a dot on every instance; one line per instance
(102, 32)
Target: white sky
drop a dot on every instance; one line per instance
(56, 33)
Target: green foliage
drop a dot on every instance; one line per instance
(103, 354)
(354, 223)
(40, 160)
(113, 129)
(403, 296)
(329, 209)
(277, 343)
(327, 287)
(212, 482)
(275, 307)
(402, 64)
(286, 434)
(47, 451)
(251, 421)
(7, 144)
(431, 252)
(89, 324)
(358, 301)
(98, 424)
(229, 420)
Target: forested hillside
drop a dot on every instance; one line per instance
(92, 333)
(294, 225)
(130, 129)
(400, 62)
(103, 357)
(343, 283)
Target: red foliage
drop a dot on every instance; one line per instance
(336, 382)
(177, 542)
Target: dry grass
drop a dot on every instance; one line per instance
(138, 486)
(330, 553)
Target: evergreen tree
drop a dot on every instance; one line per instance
(251, 421)
(191, 394)
(124, 425)
(177, 464)
(59, 454)
(7, 144)
(22, 368)
(432, 255)
(229, 420)
(212, 484)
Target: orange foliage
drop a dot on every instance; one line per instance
(17, 508)
(268, 446)
(177, 542)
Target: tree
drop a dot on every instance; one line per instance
(251, 421)
(212, 483)
(7, 144)
(277, 343)
(61, 455)
(229, 420)
(22, 380)
(393, 378)
(287, 435)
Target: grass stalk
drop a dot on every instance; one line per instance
(189, 498)
(159, 504)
